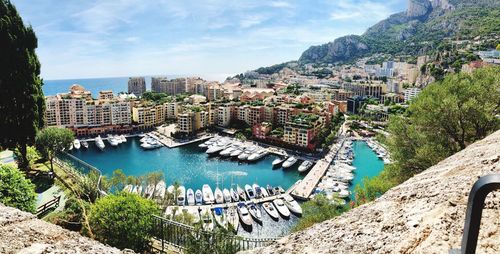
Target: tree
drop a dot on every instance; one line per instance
(52, 140)
(16, 190)
(123, 220)
(318, 209)
(21, 101)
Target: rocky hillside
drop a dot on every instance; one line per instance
(423, 215)
(22, 232)
(421, 27)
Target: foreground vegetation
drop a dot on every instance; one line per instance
(318, 209)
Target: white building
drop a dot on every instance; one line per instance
(411, 93)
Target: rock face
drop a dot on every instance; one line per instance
(341, 49)
(22, 232)
(418, 8)
(422, 215)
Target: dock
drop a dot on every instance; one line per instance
(171, 143)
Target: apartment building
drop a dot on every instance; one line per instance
(214, 92)
(302, 129)
(158, 84)
(365, 90)
(192, 121)
(223, 116)
(149, 115)
(172, 110)
(106, 95)
(411, 93)
(136, 85)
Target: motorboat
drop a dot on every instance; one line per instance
(219, 196)
(255, 211)
(270, 190)
(85, 144)
(244, 214)
(241, 193)
(264, 192)
(128, 188)
(234, 195)
(139, 190)
(258, 191)
(227, 195)
(151, 144)
(112, 140)
(278, 190)
(289, 162)
(169, 212)
(134, 190)
(250, 192)
(198, 197)
(306, 165)
(292, 205)
(149, 192)
(227, 151)
(207, 219)
(278, 161)
(99, 143)
(232, 217)
(190, 197)
(258, 155)
(236, 152)
(194, 213)
(269, 208)
(208, 195)
(160, 189)
(218, 146)
(220, 217)
(70, 146)
(76, 144)
(281, 207)
(245, 154)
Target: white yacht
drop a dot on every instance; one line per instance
(123, 138)
(149, 192)
(257, 190)
(151, 144)
(292, 205)
(208, 195)
(85, 144)
(160, 189)
(250, 192)
(198, 196)
(241, 193)
(281, 207)
(244, 214)
(219, 197)
(112, 140)
(190, 197)
(289, 162)
(76, 144)
(245, 154)
(236, 152)
(258, 155)
(227, 151)
(232, 217)
(99, 143)
(234, 195)
(220, 217)
(227, 195)
(264, 192)
(255, 211)
(181, 197)
(306, 165)
(269, 208)
(278, 161)
(194, 212)
(207, 219)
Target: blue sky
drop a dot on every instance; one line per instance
(210, 38)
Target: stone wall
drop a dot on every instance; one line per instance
(22, 232)
(422, 215)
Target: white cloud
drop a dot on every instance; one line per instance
(361, 10)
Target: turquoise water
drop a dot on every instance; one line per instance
(366, 162)
(188, 165)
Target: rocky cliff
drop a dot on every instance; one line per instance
(22, 232)
(422, 215)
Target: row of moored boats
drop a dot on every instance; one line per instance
(150, 141)
(379, 150)
(113, 140)
(290, 161)
(227, 147)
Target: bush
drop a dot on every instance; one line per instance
(316, 210)
(16, 190)
(123, 220)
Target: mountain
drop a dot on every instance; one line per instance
(421, 27)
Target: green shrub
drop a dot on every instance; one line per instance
(16, 190)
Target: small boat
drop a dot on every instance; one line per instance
(255, 211)
(123, 138)
(190, 197)
(278, 161)
(202, 145)
(270, 190)
(139, 190)
(169, 212)
(258, 155)
(227, 151)
(289, 162)
(281, 207)
(76, 144)
(70, 147)
(207, 219)
(264, 192)
(128, 188)
(160, 189)
(249, 191)
(152, 144)
(220, 217)
(241, 193)
(227, 195)
(232, 217)
(219, 197)
(278, 190)
(99, 143)
(306, 165)
(148, 193)
(258, 191)
(112, 141)
(134, 189)
(194, 213)
(244, 214)
(234, 195)
(245, 154)
(198, 197)
(236, 152)
(269, 208)
(292, 205)
(85, 144)
(170, 190)
(208, 195)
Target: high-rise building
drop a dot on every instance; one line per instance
(136, 85)
(158, 84)
(411, 93)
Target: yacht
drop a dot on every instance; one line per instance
(270, 190)
(112, 140)
(281, 207)
(249, 191)
(128, 188)
(232, 217)
(227, 151)
(218, 146)
(245, 154)
(148, 193)
(123, 138)
(139, 190)
(269, 208)
(289, 162)
(257, 190)
(292, 205)
(234, 195)
(194, 213)
(227, 195)
(241, 193)
(76, 144)
(236, 152)
(244, 214)
(258, 155)
(70, 146)
(220, 217)
(99, 143)
(278, 190)
(264, 192)
(208, 195)
(219, 197)
(278, 161)
(207, 219)
(190, 197)
(151, 144)
(85, 144)
(306, 165)
(160, 189)
(255, 212)
(198, 196)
